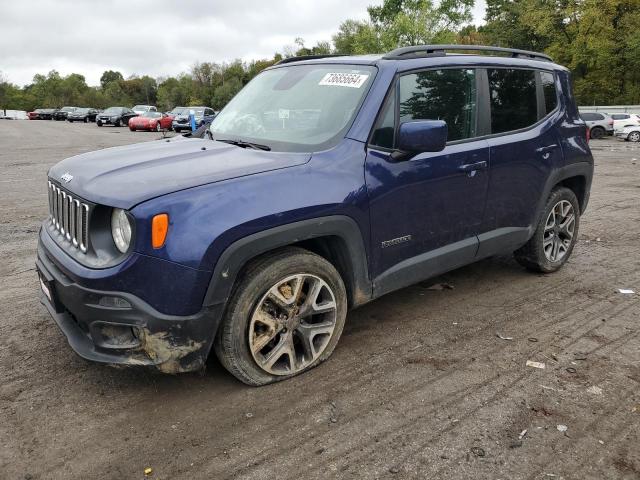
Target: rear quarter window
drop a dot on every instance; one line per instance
(513, 99)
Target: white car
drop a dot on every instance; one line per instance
(630, 133)
(140, 109)
(621, 120)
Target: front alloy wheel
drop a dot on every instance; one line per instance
(292, 324)
(285, 317)
(634, 137)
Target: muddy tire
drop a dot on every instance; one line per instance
(285, 316)
(552, 243)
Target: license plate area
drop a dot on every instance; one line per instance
(47, 287)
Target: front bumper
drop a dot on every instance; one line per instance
(126, 331)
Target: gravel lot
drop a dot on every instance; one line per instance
(420, 385)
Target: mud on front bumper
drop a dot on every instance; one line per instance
(120, 328)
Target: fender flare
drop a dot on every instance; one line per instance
(236, 255)
(580, 169)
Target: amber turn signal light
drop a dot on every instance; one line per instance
(159, 228)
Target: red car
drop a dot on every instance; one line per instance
(151, 121)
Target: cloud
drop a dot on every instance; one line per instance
(159, 37)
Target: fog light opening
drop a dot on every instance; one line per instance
(114, 302)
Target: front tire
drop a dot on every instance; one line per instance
(118, 123)
(158, 127)
(556, 234)
(285, 317)
(99, 123)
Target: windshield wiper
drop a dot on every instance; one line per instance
(243, 144)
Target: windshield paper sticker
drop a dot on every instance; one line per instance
(353, 80)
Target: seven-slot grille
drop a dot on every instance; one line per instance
(69, 216)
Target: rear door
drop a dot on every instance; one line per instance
(524, 147)
(426, 211)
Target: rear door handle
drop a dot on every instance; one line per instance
(470, 168)
(546, 149)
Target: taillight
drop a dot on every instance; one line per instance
(588, 135)
(610, 122)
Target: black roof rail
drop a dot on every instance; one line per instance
(309, 57)
(439, 50)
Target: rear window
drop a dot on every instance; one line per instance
(620, 116)
(513, 100)
(592, 116)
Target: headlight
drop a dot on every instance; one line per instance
(121, 229)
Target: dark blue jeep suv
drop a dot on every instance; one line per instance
(325, 183)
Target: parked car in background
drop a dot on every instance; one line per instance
(116, 116)
(62, 113)
(255, 243)
(177, 111)
(630, 133)
(203, 116)
(140, 109)
(41, 114)
(621, 120)
(85, 115)
(151, 121)
(599, 124)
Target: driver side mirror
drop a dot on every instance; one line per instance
(420, 136)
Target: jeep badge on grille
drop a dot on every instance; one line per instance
(67, 177)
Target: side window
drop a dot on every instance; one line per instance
(549, 91)
(513, 99)
(384, 130)
(448, 95)
(619, 116)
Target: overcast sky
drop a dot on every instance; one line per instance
(159, 37)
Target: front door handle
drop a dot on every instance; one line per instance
(471, 168)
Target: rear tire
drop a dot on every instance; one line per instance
(597, 133)
(556, 234)
(285, 301)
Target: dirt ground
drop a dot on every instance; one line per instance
(420, 385)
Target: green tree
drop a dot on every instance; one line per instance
(110, 76)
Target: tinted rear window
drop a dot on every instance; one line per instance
(620, 116)
(513, 99)
(592, 116)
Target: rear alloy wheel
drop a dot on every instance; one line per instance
(597, 133)
(285, 317)
(553, 241)
(634, 137)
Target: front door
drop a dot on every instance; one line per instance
(426, 211)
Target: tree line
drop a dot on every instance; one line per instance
(598, 40)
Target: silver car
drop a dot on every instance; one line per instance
(599, 124)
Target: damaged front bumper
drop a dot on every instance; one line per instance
(120, 328)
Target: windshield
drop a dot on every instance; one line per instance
(68, 109)
(177, 111)
(141, 107)
(113, 110)
(82, 110)
(151, 115)
(296, 108)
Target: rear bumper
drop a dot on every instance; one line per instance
(119, 328)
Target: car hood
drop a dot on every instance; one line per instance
(125, 176)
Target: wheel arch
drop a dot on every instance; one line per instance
(337, 238)
(577, 177)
